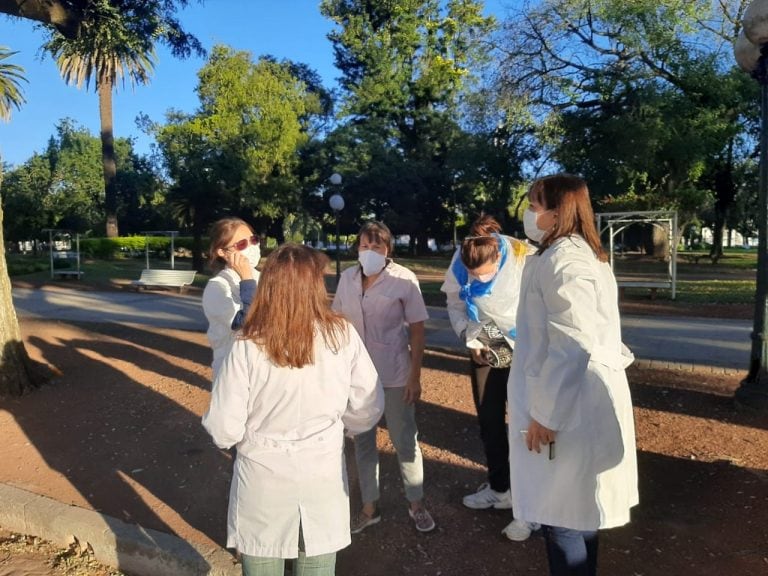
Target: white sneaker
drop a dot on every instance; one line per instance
(487, 497)
(519, 530)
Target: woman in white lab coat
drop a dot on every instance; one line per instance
(482, 286)
(295, 379)
(572, 438)
(234, 254)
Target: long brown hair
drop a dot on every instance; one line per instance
(568, 196)
(480, 247)
(291, 305)
(221, 234)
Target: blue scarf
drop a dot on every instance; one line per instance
(468, 291)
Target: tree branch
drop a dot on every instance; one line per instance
(59, 13)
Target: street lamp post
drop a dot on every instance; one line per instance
(751, 51)
(337, 205)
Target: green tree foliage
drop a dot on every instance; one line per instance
(107, 41)
(643, 95)
(11, 77)
(239, 152)
(405, 66)
(62, 186)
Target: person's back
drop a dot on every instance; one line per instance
(291, 383)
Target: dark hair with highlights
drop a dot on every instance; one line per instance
(480, 247)
(568, 196)
(291, 306)
(221, 234)
(378, 232)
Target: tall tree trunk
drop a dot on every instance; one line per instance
(14, 362)
(108, 156)
(725, 194)
(198, 230)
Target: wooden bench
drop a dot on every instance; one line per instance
(164, 279)
(652, 285)
(693, 257)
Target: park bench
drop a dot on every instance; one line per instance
(164, 279)
(64, 274)
(693, 257)
(652, 285)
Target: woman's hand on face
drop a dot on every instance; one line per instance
(412, 391)
(538, 435)
(240, 264)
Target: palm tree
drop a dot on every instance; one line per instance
(108, 49)
(14, 374)
(11, 77)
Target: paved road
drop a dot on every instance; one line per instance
(697, 341)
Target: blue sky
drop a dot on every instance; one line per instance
(292, 29)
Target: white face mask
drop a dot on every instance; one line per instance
(372, 262)
(531, 225)
(486, 277)
(253, 253)
(489, 276)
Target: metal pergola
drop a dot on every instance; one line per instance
(171, 233)
(616, 222)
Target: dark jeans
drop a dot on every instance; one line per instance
(571, 552)
(489, 389)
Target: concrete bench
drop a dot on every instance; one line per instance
(652, 285)
(164, 279)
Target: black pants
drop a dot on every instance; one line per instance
(489, 389)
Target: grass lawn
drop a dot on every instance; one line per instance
(697, 283)
(97, 273)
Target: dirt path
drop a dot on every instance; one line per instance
(118, 430)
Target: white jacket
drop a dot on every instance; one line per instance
(221, 302)
(568, 374)
(499, 306)
(288, 425)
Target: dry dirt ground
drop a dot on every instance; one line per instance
(118, 430)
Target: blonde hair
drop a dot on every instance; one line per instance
(568, 196)
(291, 306)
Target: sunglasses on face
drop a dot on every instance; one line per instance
(243, 244)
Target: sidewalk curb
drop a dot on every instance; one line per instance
(131, 548)
(641, 363)
(687, 367)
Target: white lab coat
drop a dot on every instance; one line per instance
(382, 316)
(221, 302)
(568, 374)
(288, 425)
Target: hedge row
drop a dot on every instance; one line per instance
(109, 248)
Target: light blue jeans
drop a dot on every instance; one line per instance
(401, 425)
(321, 565)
